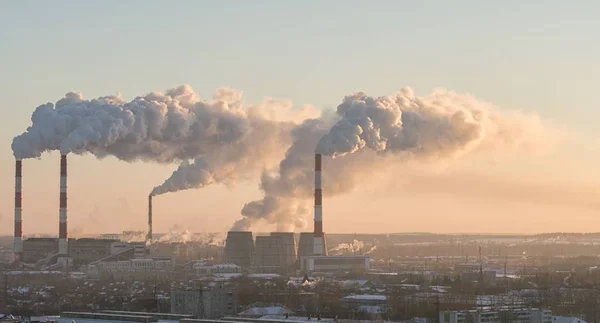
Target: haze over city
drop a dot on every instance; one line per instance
(529, 167)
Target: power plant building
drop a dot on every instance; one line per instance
(328, 264)
(35, 249)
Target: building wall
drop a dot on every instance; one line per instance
(35, 249)
(338, 263)
(84, 251)
(207, 303)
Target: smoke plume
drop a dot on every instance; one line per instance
(395, 129)
(264, 143)
(157, 127)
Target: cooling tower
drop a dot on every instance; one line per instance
(305, 245)
(63, 247)
(239, 248)
(289, 246)
(270, 254)
(18, 237)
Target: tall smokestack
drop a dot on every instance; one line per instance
(149, 235)
(63, 248)
(319, 236)
(18, 238)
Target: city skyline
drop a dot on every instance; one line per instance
(511, 65)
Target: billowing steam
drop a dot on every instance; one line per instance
(158, 127)
(355, 247)
(262, 146)
(400, 127)
(177, 234)
(216, 141)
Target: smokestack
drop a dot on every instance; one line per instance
(18, 238)
(149, 235)
(63, 248)
(319, 237)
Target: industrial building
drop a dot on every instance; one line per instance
(87, 250)
(35, 249)
(205, 302)
(83, 251)
(328, 264)
(239, 248)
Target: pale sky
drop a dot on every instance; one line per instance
(535, 56)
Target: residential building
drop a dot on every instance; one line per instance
(205, 302)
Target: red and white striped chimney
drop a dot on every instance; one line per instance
(63, 248)
(18, 238)
(319, 236)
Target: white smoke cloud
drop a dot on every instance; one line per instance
(437, 128)
(178, 234)
(267, 138)
(355, 247)
(158, 127)
(442, 125)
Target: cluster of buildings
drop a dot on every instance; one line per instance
(519, 315)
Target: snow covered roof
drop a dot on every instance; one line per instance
(268, 310)
(567, 319)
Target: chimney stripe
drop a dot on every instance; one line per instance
(18, 226)
(318, 162)
(62, 230)
(318, 240)
(63, 248)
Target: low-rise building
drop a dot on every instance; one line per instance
(519, 315)
(134, 268)
(205, 268)
(356, 264)
(205, 302)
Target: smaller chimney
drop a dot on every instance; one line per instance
(149, 234)
(18, 237)
(63, 248)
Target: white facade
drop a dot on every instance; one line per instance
(135, 265)
(208, 269)
(528, 315)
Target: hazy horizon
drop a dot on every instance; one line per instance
(538, 61)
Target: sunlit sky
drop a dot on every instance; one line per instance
(539, 57)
